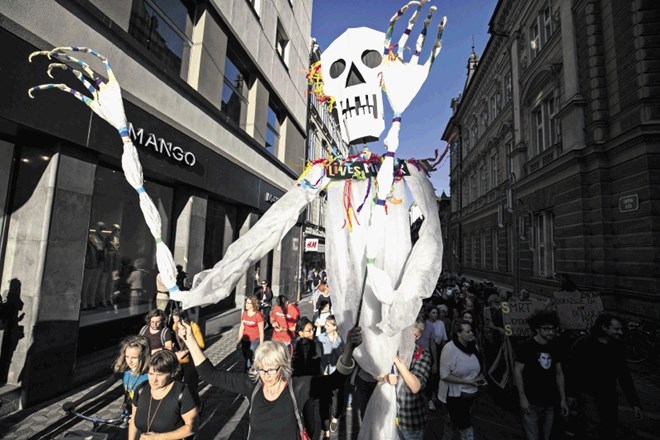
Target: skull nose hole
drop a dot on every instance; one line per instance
(354, 77)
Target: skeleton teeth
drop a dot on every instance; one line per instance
(361, 106)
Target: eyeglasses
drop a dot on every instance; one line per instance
(269, 372)
(307, 330)
(548, 328)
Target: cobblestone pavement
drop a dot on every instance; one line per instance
(225, 414)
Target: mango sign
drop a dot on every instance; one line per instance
(577, 310)
(515, 314)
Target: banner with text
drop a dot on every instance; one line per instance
(515, 314)
(577, 310)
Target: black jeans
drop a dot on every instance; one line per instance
(460, 410)
(362, 393)
(599, 416)
(333, 407)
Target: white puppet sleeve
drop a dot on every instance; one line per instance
(213, 285)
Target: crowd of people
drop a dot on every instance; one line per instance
(299, 375)
(554, 372)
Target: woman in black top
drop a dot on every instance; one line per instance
(163, 405)
(307, 350)
(272, 392)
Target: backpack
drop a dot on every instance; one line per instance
(163, 332)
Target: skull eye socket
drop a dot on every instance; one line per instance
(372, 58)
(337, 68)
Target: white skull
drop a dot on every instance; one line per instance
(351, 68)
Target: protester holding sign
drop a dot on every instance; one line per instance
(577, 310)
(539, 376)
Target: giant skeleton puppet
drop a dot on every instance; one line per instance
(378, 278)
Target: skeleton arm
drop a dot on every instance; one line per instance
(107, 102)
(213, 285)
(403, 81)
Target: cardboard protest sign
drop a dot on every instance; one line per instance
(515, 314)
(577, 310)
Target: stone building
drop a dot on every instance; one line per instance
(444, 212)
(555, 159)
(323, 140)
(215, 95)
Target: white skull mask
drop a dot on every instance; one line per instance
(351, 68)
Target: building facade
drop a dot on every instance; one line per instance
(554, 159)
(444, 212)
(323, 140)
(215, 95)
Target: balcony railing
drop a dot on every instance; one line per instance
(545, 158)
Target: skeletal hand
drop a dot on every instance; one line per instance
(106, 101)
(404, 80)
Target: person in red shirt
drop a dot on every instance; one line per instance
(283, 318)
(251, 330)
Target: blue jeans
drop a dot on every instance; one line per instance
(248, 349)
(411, 435)
(538, 423)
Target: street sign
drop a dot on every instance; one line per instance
(629, 203)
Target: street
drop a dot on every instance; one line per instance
(224, 416)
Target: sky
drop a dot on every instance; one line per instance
(426, 118)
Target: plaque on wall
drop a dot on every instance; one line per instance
(629, 203)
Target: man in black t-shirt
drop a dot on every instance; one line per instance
(539, 377)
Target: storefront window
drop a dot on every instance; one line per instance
(6, 161)
(221, 230)
(120, 261)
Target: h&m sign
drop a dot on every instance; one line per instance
(311, 245)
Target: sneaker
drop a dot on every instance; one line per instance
(431, 406)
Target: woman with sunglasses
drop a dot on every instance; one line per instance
(276, 398)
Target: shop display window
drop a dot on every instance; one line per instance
(120, 258)
(6, 162)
